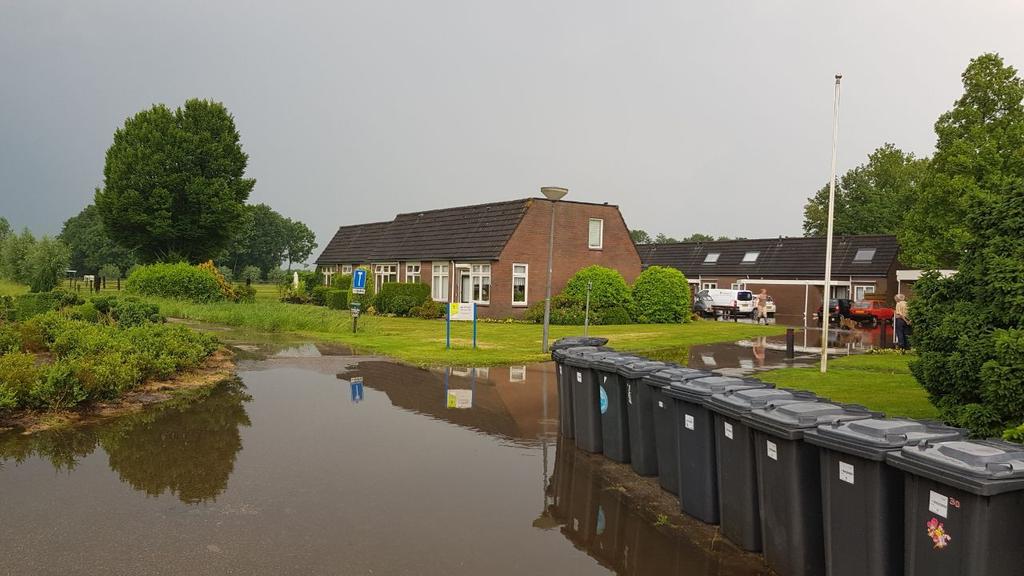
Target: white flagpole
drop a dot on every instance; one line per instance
(826, 297)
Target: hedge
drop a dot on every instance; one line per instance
(366, 301)
(661, 295)
(337, 299)
(175, 281)
(400, 298)
(33, 304)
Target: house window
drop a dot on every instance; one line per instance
(737, 286)
(517, 373)
(864, 255)
(412, 273)
(750, 257)
(384, 273)
(480, 280)
(711, 258)
(439, 284)
(346, 268)
(520, 275)
(859, 292)
(709, 285)
(596, 240)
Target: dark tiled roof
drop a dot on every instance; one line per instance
(789, 257)
(477, 232)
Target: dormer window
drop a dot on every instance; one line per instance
(750, 257)
(711, 258)
(864, 255)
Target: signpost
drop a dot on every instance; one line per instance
(354, 307)
(459, 311)
(357, 389)
(359, 281)
(459, 398)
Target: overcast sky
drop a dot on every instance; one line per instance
(692, 116)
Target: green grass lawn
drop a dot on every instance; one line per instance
(422, 342)
(8, 288)
(879, 381)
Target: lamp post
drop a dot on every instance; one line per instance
(826, 297)
(554, 194)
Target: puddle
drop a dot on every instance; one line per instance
(316, 462)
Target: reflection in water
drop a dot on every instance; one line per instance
(186, 447)
(599, 516)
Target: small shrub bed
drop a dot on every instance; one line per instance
(399, 299)
(182, 281)
(33, 304)
(318, 295)
(429, 310)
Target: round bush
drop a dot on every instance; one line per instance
(608, 288)
(175, 281)
(661, 295)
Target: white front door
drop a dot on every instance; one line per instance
(465, 287)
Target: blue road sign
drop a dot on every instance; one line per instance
(357, 389)
(359, 281)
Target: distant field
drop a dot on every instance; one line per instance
(8, 288)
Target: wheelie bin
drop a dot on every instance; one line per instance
(642, 455)
(613, 403)
(964, 507)
(566, 423)
(862, 496)
(739, 511)
(586, 397)
(698, 471)
(789, 482)
(666, 435)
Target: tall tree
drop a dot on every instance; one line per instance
(872, 198)
(640, 236)
(90, 244)
(261, 240)
(301, 241)
(979, 155)
(662, 239)
(5, 228)
(13, 256)
(174, 185)
(45, 264)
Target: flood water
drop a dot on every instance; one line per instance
(297, 468)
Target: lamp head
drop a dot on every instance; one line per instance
(554, 193)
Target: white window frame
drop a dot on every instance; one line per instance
(413, 271)
(711, 257)
(600, 234)
(738, 286)
(705, 285)
(862, 290)
(439, 279)
(479, 276)
(380, 271)
(750, 257)
(346, 268)
(525, 275)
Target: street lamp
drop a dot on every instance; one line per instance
(826, 297)
(554, 194)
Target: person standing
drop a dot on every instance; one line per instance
(900, 323)
(762, 306)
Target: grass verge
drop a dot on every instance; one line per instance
(8, 288)
(422, 342)
(879, 381)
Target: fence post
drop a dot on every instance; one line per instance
(790, 343)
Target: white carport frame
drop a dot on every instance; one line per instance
(805, 283)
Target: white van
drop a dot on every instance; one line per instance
(730, 302)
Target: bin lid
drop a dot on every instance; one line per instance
(640, 368)
(574, 341)
(791, 420)
(984, 467)
(698, 390)
(871, 438)
(586, 358)
(559, 354)
(736, 403)
(612, 363)
(667, 376)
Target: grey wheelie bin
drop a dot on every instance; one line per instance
(642, 455)
(613, 404)
(698, 470)
(566, 422)
(964, 507)
(739, 511)
(586, 400)
(862, 496)
(789, 482)
(666, 434)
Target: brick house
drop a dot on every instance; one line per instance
(792, 270)
(493, 254)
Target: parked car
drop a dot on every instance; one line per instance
(731, 303)
(703, 305)
(839, 308)
(870, 312)
(769, 307)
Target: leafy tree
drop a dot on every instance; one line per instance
(110, 271)
(45, 264)
(13, 255)
(226, 272)
(174, 185)
(662, 239)
(640, 236)
(5, 228)
(91, 245)
(300, 242)
(979, 155)
(871, 198)
(261, 240)
(250, 274)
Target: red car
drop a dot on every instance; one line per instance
(871, 312)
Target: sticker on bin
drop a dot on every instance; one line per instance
(728, 430)
(604, 401)
(773, 450)
(629, 394)
(846, 472)
(579, 376)
(661, 404)
(604, 379)
(688, 422)
(938, 504)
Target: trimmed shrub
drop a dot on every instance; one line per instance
(59, 387)
(19, 375)
(310, 279)
(10, 339)
(365, 300)
(611, 315)
(609, 288)
(661, 295)
(244, 293)
(399, 298)
(337, 299)
(341, 281)
(564, 311)
(318, 295)
(429, 310)
(182, 281)
(33, 304)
